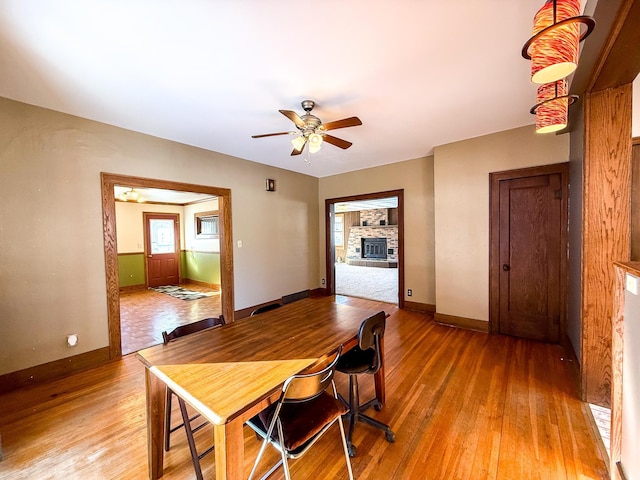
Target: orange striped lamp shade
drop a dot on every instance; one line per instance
(553, 48)
(552, 107)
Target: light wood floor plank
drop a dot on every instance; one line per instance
(463, 405)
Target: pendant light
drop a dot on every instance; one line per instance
(552, 107)
(553, 48)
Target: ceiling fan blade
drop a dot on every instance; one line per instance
(298, 152)
(345, 122)
(338, 142)
(294, 117)
(270, 134)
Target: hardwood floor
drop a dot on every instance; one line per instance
(145, 314)
(463, 405)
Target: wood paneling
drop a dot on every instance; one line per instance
(606, 229)
(464, 405)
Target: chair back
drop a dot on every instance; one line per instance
(265, 308)
(306, 386)
(190, 328)
(371, 331)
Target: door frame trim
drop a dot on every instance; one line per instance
(494, 239)
(329, 205)
(110, 180)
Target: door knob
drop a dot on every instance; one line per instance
(505, 267)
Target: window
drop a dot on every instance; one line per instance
(338, 230)
(206, 225)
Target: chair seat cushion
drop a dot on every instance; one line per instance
(356, 360)
(301, 421)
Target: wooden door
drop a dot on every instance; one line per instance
(162, 248)
(530, 266)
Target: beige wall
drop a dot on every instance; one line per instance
(188, 222)
(51, 242)
(416, 178)
(461, 186)
(130, 228)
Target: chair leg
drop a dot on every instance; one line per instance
(285, 464)
(190, 440)
(345, 448)
(167, 420)
(354, 398)
(356, 415)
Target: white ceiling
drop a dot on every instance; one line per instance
(212, 73)
(158, 195)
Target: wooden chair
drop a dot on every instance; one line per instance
(187, 421)
(302, 414)
(365, 358)
(265, 308)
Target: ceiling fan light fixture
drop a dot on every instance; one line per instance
(315, 143)
(131, 195)
(553, 48)
(298, 142)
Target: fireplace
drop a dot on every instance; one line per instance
(374, 248)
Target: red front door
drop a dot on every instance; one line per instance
(162, 248)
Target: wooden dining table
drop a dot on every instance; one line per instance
(230, 373)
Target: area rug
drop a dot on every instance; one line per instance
(182, 293)
(373, 283)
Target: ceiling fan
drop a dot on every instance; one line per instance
(312, 130)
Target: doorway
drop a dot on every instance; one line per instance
(109, 182)
(162, 248)
(365, 246)
(528, 252)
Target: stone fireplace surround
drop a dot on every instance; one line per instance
(373, 229)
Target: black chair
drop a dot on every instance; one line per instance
(265, 308)
(187, 421)
(302, 414)
(364, 358)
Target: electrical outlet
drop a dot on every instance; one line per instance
(323, 281)
(409, 292)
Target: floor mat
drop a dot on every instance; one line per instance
(182, 293)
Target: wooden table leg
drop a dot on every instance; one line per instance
(155, 424)
(379, 377)
(229, 450)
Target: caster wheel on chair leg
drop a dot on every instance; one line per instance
(352, 450)
(391, 437)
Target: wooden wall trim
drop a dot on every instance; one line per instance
(53, 370)
(620, 59)
(108, 181)
(462, 322)
(419, 307)
(606, 229)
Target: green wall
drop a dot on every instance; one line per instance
(131, 269)
(200, 266)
